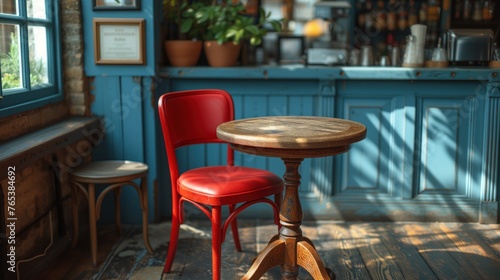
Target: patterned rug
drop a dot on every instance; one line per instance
(129, 258)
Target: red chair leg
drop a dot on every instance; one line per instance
(234, 229)
(277, 199)
(172, 245)
(216, 242)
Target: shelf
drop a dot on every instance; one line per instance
(474, 24)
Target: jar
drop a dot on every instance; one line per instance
(477, 14)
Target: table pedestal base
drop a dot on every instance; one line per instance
(276, 254)
(290, 249)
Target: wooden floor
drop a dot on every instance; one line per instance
(353, 250)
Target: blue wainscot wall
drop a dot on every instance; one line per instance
(431, 153)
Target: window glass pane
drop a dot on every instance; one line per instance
(10, 60)
(8, 7)
(38, 54)
(36, 9)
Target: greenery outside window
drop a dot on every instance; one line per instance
(30, 71)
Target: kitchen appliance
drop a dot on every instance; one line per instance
(324, 56)
(469, 47)
(332, 49)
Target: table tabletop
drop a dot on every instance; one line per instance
(299, 133)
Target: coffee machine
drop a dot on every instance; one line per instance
(331, 49)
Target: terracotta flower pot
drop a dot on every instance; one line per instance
(183, 53)
(224, 55)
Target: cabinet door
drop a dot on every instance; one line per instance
(372, 167)
(449, 145)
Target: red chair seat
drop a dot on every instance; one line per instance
(227, 184)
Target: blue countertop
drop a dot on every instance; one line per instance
(338, 73)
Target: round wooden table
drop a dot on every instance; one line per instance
(291, 138)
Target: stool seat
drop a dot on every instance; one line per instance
(116, 174)
(109, 170)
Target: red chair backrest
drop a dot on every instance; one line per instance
(191, 117)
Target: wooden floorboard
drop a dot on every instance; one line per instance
(477, 252)
(376, 256)
(76, 264)
(353, 250)
(339, 251)
(411, 263)
(435, 255)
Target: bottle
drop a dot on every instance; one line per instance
(389, 40)
(410, 57)
(370, 18)
(403, 16)
(361, 8)
(380, 14)
(457, 12)
(395, 56)
(467, 10)
(412, 14)
(486, 10)
(391, 15)
(433, 11)
(422, 13)
(477, 14)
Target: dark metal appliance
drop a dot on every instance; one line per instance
(469, 47)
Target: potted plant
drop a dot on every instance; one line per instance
(183, 44)
(226, 28)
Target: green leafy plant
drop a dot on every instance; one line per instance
(10, 67)
(9, 64)
(227, 23)
(181, 19)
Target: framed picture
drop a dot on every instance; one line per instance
(117, 4)
(119, 41)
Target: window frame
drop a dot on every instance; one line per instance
(28, 97)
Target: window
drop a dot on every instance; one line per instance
(30, 70)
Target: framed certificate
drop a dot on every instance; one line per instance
(117, 5)
(119, 41)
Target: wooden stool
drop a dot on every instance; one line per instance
(118, 174)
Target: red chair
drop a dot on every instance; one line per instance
(191, 117)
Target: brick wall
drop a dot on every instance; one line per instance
(75, 83)
(39, 225)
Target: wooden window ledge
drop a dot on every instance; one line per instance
(23, 151)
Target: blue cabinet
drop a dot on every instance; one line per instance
(424, 155)
(422, 158)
